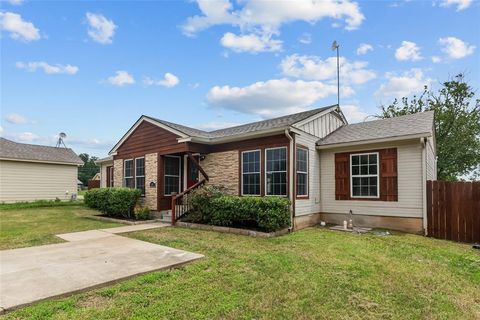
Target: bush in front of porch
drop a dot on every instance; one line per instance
(211, 206)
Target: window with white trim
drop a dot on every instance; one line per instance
(364, 180)
(140, 174)
(251, 172)
(276, 171)
(128, 173)
(302, 172)
(172, 175)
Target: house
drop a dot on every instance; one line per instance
(32, 172)
(375, 170)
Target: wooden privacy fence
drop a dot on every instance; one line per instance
(453, 210)
(92, 184)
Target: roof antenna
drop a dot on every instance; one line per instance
(60, 142)
(336, 46)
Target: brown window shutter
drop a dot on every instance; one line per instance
(342, 176)
(388, 175)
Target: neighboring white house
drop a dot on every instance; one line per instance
(32, 172)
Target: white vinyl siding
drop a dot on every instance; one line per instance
(322, 126)
(410, 184)
(311, 204)
(29, 181)
(431, 160)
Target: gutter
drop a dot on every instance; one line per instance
(43, 161)
(361, 142)
(291, 178)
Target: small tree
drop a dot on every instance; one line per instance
(457, 125)
(89, 168)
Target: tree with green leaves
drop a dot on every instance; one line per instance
(89, 168)
(457, 126)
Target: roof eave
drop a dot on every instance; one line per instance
(237, 137)
(369, 141)
(43, 161)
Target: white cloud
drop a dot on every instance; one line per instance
(1, 131)
(15, 2)
(461, 4)
(271, 98)
(436, 59)
(121, 78)
(47, 68)
(250, 43)
(306, 38)
(269, 16)
(314, 68)
(353, 113)
(363, 48)
(15, 118)
(408, 51)
(169, 81)
(100, 28)
(398, 86)
(24, 137)
(456, 48)
(18, 28)
(215, 125)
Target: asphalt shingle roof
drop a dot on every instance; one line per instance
(21, 151)
(246, 128)
(417, 123)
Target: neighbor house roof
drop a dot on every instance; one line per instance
(11, 150)
(106, 159)
(279, 122)
(418, 124)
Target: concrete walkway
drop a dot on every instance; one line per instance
(91, 259)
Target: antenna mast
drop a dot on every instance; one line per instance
(336, 46)
(60, 142)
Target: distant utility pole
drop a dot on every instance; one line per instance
(336, 46)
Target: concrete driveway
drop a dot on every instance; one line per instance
(91, 259)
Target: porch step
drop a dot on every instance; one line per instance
(164, 215)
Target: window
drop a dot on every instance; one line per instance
(140, 174)
(302, 172)
(172, 175)
(276, 172)
(128, 174)
(364, 175)
(251, 172)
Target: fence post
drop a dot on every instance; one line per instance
(174, 205)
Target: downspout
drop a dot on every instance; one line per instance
(291, 181)
(424, 184)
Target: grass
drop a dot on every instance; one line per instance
(38, 204)
(37, 226)
(314, 273)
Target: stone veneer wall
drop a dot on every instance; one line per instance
(151, 169)
(222, 169)
(118, 173)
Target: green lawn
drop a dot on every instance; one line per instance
(37, 226)
(314, 273)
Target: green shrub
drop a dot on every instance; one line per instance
(142, 213)
(118, 202)
(211, 205)
(200, 201)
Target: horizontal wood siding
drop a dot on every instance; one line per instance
(410, 184)
(28, 181)
(312, 204)
(257, 143)
(322, 126)
(149, 138)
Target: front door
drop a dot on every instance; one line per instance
(192, 172)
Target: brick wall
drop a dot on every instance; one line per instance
(118, 173)
(151, 169)
(222, 169)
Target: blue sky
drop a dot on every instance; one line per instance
(90, 69)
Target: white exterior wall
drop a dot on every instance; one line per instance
(410, 184)
(322, 126)
(431, 161)
(312, 204)
(29, 181)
